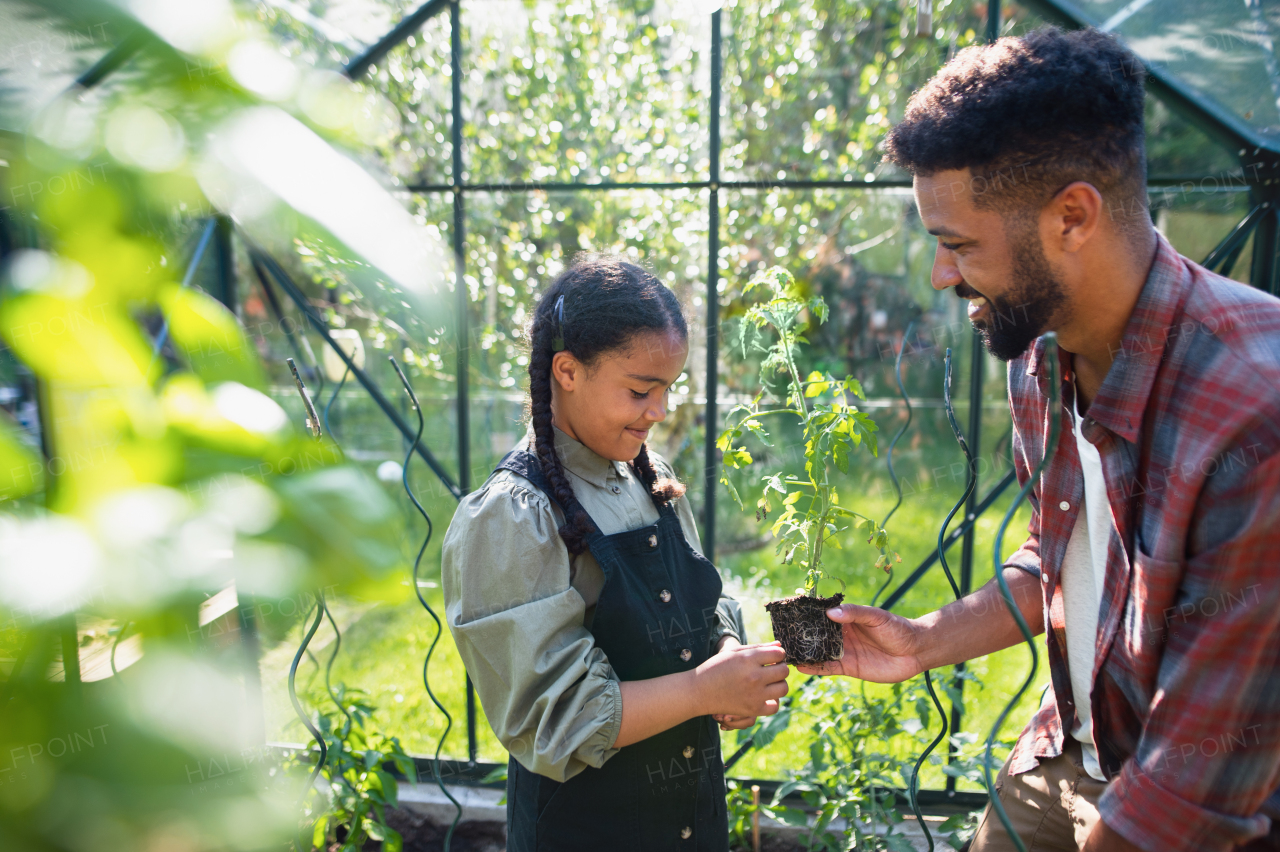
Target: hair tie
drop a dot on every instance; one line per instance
(557, 342)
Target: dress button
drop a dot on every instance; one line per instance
(1064, 506)
(653, 541)
(686, 655)
(686, 833)
(616, 489)
(664, 596)
(688, 752)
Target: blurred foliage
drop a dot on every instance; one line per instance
(160, 492)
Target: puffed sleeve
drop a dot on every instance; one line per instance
(728, 611)
(550, 695)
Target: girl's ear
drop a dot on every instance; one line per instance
(565, 370)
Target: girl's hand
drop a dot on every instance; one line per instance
(742, 681)
(731, 723)
(734, 723)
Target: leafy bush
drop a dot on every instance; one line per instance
(349, 803)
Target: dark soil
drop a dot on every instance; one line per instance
(422, 834)
(800, 623)
(774, 843)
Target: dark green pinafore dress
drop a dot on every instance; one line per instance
(655, 616)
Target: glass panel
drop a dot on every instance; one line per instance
(1225, 51)
(39, 60)
(1197, 215)
(583, 92)
(804, 97)
(415, 80)
(518, 242)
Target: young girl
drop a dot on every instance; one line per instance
(595, 631)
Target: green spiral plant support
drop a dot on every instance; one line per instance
(1055, 400)
(913, 788)
(417, 563)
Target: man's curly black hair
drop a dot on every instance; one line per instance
(1030, 115)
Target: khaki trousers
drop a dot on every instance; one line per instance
(1053, 807)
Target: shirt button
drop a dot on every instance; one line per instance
(616, 489)
(688, 752)
(653, 541)
(686, 655)
(664, 596)
(1064, 506)
(1044, 578)
(686, 833)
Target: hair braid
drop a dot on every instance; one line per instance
(604, 302)
(577, 525)
(663, 490)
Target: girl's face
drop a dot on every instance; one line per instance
(610, 405)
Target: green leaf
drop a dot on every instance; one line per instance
(319, 831)
(733, 491)
(21, 470)
(756, 429)
(841, 455)
(210, 337)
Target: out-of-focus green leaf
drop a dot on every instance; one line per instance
(342, 519)
(210, 338)
(21, 470)
(75, 341)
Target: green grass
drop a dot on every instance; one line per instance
(383, 645)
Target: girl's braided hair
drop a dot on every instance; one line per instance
(607, 302)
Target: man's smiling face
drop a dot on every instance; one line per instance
(996, 263)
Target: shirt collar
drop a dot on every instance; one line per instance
(1122, 399)
(578, 458)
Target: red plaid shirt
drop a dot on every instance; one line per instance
(1186, 682)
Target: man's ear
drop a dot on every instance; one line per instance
(566, 370)
(1076, 212)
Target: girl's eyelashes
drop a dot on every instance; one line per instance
(635, 394)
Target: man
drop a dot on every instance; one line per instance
(1155, 531)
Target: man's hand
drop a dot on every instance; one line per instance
(878, 646)
(1104, 839)
(731, 723)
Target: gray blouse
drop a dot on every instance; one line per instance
(520, 610)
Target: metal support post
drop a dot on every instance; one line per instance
(711, 461)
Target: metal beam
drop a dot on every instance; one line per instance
(408, 25)
(112, 59)
(322, 328)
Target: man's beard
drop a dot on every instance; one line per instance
(1022, 314)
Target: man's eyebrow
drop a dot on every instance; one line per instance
(945, 232)
(653, 380)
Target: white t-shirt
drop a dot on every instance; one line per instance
(1084, 567)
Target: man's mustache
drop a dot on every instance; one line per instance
(964, 291)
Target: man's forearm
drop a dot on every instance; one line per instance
(979, 623)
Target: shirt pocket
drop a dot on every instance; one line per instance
(1149, 617)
